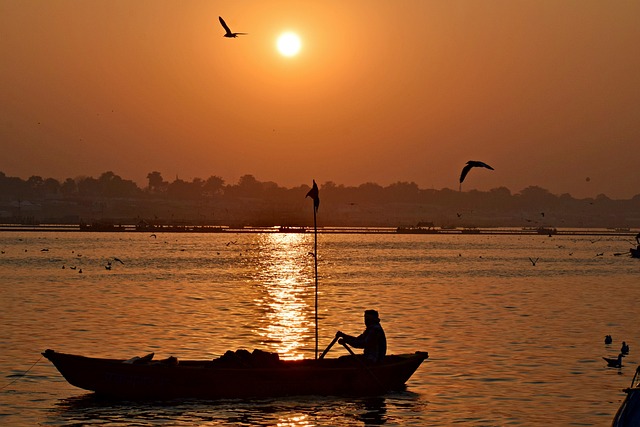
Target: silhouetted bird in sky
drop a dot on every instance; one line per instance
(472, 164)
(228, 31)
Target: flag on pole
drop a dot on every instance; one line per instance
(313, 193)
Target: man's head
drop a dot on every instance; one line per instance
(371, 317)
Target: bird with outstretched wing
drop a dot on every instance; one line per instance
(472, 164)
(228, 32)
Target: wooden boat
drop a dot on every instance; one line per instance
(237, 374)
(628, 414)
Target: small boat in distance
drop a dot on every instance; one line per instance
(102, 226)
(423, 227)
(237, 374)
(547, 230)
(291, 229)
(416, 230)
(470, 230)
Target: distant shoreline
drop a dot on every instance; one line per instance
(196, 229)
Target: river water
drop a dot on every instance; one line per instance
(510, 343)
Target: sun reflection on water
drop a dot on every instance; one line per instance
(294, 420)
(285, 278)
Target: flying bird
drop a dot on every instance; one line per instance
(228, 33)
(472, 164)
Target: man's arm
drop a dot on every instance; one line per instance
(358, 342)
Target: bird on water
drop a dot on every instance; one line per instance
(625, 348)
(614, 363)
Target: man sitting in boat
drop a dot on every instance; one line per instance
(372, 340)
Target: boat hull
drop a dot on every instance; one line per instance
(212, 380)
(628, 414)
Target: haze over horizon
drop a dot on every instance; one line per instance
(546, 92)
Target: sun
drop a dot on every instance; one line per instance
(289, 44)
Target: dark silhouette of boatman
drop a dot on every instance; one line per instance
(372, 340)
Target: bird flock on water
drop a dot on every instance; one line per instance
(616, 362)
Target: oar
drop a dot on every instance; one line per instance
(326, 350)
(363, 365)
(344, 344)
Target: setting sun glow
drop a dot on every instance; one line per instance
(289, 44)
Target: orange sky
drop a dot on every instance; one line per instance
(545, 91)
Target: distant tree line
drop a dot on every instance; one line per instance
(110, 185)
(253, 202)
